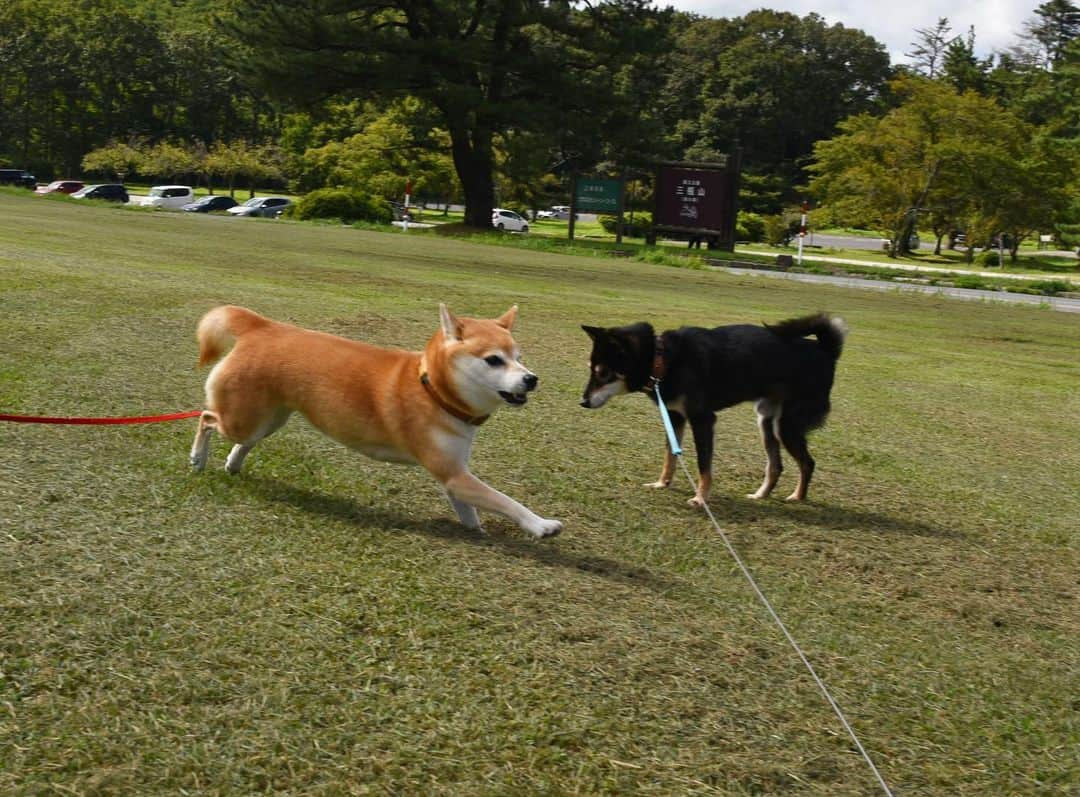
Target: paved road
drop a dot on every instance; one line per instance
(874, 244)
(1060, 303)
(843, 242)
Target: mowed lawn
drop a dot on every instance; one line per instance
(320, 624)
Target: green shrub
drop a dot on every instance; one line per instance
(1050, 287)
(637, 229)
(973, 281)
(749, 227)
(341, 203)
(781, 228)
(988, 258)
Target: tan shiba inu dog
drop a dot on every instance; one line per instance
(399, 406)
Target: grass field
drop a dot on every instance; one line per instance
(320, 625)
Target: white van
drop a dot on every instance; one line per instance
(168, 196)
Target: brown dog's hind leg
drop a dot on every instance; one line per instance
(200, 448)
(235, 460)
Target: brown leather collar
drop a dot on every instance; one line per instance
(659, 365)
(461, 415)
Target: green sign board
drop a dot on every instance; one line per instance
(593, 195)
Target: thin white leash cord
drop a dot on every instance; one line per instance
(790, 638)
(765, 601)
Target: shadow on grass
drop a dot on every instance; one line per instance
(828, 516)
(513, 543)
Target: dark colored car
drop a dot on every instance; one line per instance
(61, 187)
(18, 177)
(210, 203)
(110, 192)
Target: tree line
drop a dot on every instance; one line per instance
(988, 148)
(503, 100)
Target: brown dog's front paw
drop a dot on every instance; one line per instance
(544, 528)
(657, 485)
(697, 502)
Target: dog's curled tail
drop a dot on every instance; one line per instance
(220, 327)
(829, 330)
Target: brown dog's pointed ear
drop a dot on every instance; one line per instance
(506, 320)
(451, 327)
(592, 332)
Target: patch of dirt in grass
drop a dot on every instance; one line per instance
(365, 327)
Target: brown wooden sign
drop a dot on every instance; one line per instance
(697, 200)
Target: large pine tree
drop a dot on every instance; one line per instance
(488, 67)
(1057, 23)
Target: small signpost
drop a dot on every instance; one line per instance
(802, 228)
(598, 195)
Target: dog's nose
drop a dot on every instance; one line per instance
(530, 381)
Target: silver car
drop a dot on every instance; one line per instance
(269, 207)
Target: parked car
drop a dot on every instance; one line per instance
(109, 192)
(167, 196)
(18, 177)
(913, 242)
(61, 187)
(210, 203)
(269, 207)
(502, 219)
(555, 212)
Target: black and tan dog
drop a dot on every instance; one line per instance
(704, 370)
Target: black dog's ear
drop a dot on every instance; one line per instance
(592, 332)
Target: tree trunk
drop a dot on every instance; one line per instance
(474, 162)
(902, 243)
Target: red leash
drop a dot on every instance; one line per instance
(176, 416)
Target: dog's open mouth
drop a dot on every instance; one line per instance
(517, 399)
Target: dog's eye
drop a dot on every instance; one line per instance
(494, 360)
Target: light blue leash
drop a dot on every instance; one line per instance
(676, 450)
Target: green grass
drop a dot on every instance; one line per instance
(320, 625)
